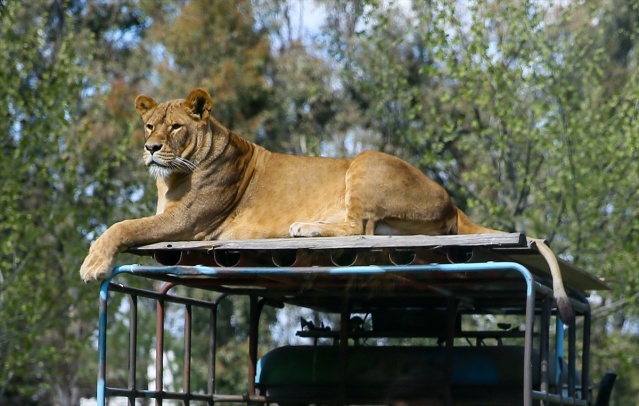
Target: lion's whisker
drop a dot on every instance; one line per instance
(183, 165)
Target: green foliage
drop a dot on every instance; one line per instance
(38, 296)
(302, 105)
(53, 196)
(524, 111)
(215, 46)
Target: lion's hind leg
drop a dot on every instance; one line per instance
(385, 195)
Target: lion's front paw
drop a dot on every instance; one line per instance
(96, 266)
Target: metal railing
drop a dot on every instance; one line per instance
(250, 282)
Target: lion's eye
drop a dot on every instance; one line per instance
(149, 127)
(176, 126)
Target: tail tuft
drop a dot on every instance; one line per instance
(566, 313)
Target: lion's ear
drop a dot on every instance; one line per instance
(144, 103)
(198, 103)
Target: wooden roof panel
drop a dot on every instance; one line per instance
(366, 250)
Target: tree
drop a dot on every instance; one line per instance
(522, 110)
(35, 219)
(215, 46)
(303, 105)
(53, 191)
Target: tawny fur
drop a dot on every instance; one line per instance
(213, 184)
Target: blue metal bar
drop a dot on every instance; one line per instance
(528, 340)
(559, 350)
(354, 270)
(544, 350)
(102, 327)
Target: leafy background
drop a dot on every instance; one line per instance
(526, 111)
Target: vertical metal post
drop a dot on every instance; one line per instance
(544, 346)
(159, 351)
(133, 345)
(212, 349)
(343, 350)
(559, 348)
(187, 352)
(572, 359)
(254, 312)
(451, 317)
(585, 360)
(102, 345)
(213, 346)
(530, 320)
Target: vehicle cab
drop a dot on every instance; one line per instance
(382, 320)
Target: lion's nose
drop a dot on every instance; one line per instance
(153, 147)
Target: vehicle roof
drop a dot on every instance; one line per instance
(369, 250)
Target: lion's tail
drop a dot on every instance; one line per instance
(466, 226)
(566, 313)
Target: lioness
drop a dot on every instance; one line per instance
(213, 184)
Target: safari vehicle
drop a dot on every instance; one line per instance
(395, 321)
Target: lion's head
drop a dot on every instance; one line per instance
(174, 131)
